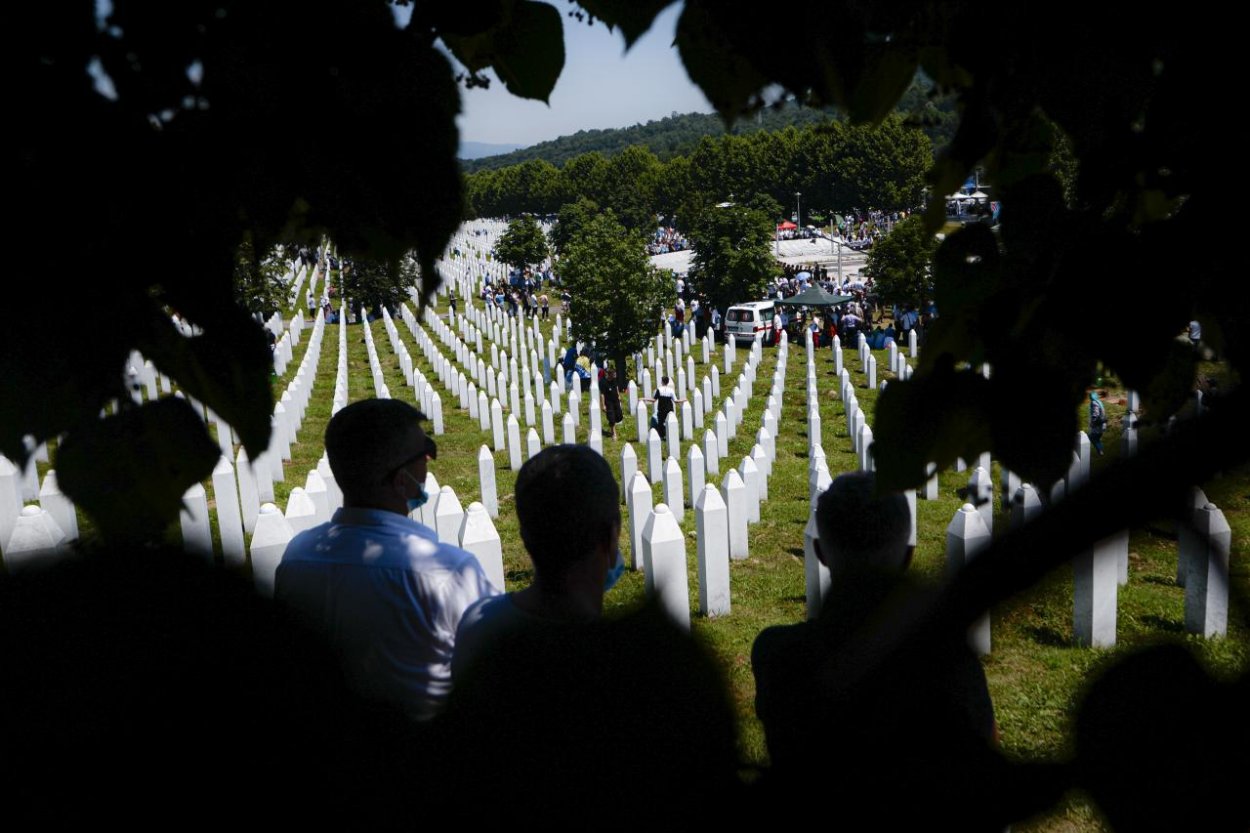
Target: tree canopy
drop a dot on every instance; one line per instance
(901, 263)
(618, 297)
(732, 261)
(523, 243)
(838, 167)
(571, 222)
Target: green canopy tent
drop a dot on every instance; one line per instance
(815, 296)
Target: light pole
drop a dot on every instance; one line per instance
(798, 215)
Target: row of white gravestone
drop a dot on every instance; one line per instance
(471, 529)
(240, 489)
(545, 412)
(657, 545)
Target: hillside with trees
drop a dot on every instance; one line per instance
(679, 135)
(836, 166)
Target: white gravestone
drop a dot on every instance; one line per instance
(59, 506)
(750, 475)
(301, 511)
(655, 459)
(35, 540)
(712, 529)
(815, 574)
(664, 549)
(673, 488)
(639, 506)
(497, 425)
(1025, 505)
(711, 452)
(1094, 585)
(1188, 540)
(966, 537)
(486, 478)
(629, 465)
(1206, 584)
(478, 535)
(760, 458)
(229, 515)
(672, 434)
(734, 493)
(269, 541)
(197, 533)
(514, 443)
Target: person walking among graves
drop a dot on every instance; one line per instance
(666, 401)
(923, 717)
(610, 399)
(1097, 421)
(387, 593)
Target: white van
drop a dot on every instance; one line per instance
(743, 321)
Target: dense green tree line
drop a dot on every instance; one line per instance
(677, 135)
(836, 166)
(674, 135)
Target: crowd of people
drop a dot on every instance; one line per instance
(666, 239)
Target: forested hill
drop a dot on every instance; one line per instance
(675, 135)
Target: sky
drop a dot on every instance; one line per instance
(601, 86)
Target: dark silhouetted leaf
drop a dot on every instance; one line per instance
(129, 471)
(226, 368)
(725, 75)
(526, 49)
(930, 418)
(470, 17)
(886, 74)
(632, 17)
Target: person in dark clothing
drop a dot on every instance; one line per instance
(920, 724)
(610, 399)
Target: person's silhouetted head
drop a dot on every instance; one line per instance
(859, 529)
(567, 506)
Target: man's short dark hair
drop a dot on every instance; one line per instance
(859, 528)
(567, 505)
(368, 439)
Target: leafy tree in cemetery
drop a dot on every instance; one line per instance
(523, 244)
(618, 297)
(370, 285)
(571, 221)
(901, 263)
(258, 285)
(732, 261)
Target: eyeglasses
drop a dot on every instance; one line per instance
(430, 452)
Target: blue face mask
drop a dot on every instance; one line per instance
(415, 503)
(614, 572)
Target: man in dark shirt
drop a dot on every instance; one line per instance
(921, 724)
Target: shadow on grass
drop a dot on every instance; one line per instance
(526, 575)
(797, 552)
(1048, 636)
(1160, 623)
(1165, 581)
